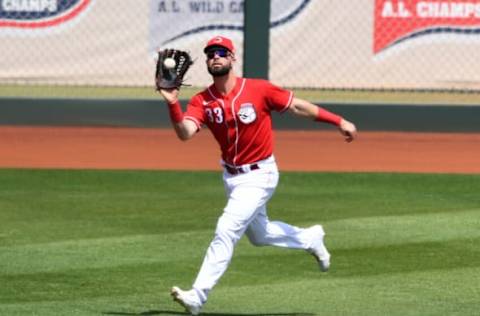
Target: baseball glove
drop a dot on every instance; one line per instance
(172, 65)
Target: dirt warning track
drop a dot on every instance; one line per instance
(143, 148)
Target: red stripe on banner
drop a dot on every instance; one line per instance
(395, 19)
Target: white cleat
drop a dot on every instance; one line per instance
(318, 250)
(187, 299)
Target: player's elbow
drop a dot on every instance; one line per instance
(294, 109)
(297, 109)
(183, 133)
(183, 136)
(302, 108)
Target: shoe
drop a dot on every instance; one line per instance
(187, 299)
(318, 249)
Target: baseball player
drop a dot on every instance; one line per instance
(237, 111)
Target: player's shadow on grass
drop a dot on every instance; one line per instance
(158, 312)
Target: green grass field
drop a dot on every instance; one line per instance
(114, 242)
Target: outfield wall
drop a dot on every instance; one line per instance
(363, 44)
(154, 114)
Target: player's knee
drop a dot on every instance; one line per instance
(257, 239)
(227, 229)
(225, 234)
(257, 242)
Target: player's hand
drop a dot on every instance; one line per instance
(170, 95)
(348, 130)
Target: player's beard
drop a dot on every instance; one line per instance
(219, 71)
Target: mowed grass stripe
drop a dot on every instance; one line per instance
(393, 230)
(416, 293)
(103, 252)
(268, 264)
(70, 205)
(262, 268)
(60, 204)
(114, 242)
(137, 249)
(409, 293)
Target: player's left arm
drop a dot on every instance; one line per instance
(303, 108)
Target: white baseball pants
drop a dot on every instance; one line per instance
(246, 212)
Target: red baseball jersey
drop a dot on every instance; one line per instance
(240, 121)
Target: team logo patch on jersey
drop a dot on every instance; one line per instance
(247, 113)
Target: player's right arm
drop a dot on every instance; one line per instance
(184, 128)
(306, 109)
(302, 108)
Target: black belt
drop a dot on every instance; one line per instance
(234, 170)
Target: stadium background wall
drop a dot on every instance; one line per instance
(153, 114)
(319, 44)
(339, 45)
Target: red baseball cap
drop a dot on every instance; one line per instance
(221, 42)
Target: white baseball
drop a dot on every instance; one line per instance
(169, 63)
